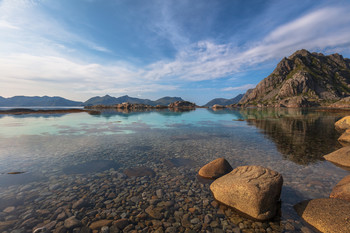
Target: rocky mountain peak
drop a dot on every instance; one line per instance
(303, 77)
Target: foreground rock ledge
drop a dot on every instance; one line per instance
(215, 169)
(326, 214)
(342, 189)
(253, 190)
(343, 123)
(340, 157)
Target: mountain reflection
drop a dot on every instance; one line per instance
(302, 136)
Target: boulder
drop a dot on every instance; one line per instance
(215, 169)
(340, 157)
(342, 189)
(345, 137)
(326, 214)
(343, 123)
(253, 190)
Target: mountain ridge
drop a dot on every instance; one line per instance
(29, 101)
(109, 100)
(303, 79)
(223, 101)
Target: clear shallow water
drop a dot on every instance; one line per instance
(67, 157)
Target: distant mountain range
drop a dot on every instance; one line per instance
(304, 79)
(222, 101)
(109, 100)
(28, 101)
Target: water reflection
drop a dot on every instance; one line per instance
(302, 136)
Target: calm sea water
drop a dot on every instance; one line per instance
(62, 158)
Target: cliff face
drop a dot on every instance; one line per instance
(303, 79)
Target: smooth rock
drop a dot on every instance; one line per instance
(345, 137)
(340, 157)
(343, 123)
(342, 189)
(326, 214)
(215, 169)
(154, 212)
(100, 223)
(121, 223)
(9, 209)
(82, 202)
(71, 222)
(253, 190)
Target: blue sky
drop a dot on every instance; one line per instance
(195, 49)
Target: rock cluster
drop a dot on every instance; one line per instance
(331, 214)
(182, 105)
(253, 190)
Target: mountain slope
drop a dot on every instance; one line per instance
(301, 80)
(222, 101)
(109, 100)
(27, 101)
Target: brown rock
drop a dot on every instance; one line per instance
(342, 189)
(253, 190)
(121, 223)
(345, 137)
(100, 223)
(341, 156)
(326, 214)
(71, 222)
(215, 169)
(154, 212)
(343, 123)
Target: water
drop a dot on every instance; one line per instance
(70, 156)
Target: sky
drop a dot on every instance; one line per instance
(195, 49)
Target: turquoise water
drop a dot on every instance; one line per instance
(52, 149)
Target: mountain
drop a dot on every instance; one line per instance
(27, 101)
(303, 79)
(109, 100)
(222, 101)
(167, 100)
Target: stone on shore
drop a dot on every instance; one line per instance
(340, 157)
(253, 190)
(326, 214)
(343, 123)
(345, 137)
(342, 189)
(215, 169)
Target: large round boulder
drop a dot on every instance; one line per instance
(215, 169)
(340, 157)
(342, 189)
(343, 123)
(253, 190)
(326, 214)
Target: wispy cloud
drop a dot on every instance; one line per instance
(239, 88)
(36, 50)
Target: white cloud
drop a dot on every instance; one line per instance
(39, 58)
(239, 88)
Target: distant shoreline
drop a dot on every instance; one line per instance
(21, 111)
